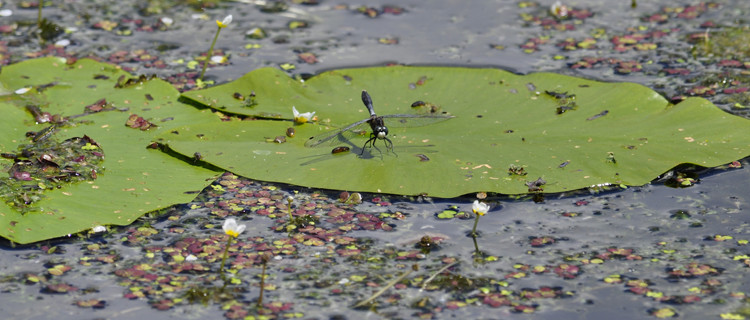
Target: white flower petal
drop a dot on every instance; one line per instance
(229, 224)
(240, 228)
(302, 117)
(22, 90)
(559, 10)
(227, 20)
(232, 228)
(167, 21)
(62, 43)
(480, 207)
(98, 229)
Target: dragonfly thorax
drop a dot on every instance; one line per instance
(379, 130)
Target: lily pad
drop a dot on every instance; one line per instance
(511, 133)
(131, 181)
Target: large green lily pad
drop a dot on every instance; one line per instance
(133, 181)
(614, 133)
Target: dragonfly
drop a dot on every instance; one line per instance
(379, 131)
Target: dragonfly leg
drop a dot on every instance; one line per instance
(370, 141)
(388, 145)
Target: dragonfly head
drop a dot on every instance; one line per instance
(381, 132)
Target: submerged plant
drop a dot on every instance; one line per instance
(47, 30)
(233, 230)
(479, 208)
(222, 24)
(368, 301)
(289, 201)
(298, 222)
(264, 260)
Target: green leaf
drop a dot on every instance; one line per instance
(134, 180)
(447, 214)
(612, 134)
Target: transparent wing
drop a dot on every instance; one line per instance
(340, 135)
(413, 120)
(357, 128)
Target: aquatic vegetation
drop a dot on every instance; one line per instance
(592, 146)
(48, 30)
(722, 44)
(47, 164)
(300, 118)
(209, 55)
(479, 209)
(80, 141)
(550, 268)
(233, 230)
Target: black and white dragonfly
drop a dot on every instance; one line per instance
(377, 125)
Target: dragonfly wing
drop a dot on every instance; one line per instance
(413, 120)
(336, 136)
(354, 129)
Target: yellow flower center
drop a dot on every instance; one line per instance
(232, 233)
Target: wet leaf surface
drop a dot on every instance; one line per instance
(605, 134)
(58, 180)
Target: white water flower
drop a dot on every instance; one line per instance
(22, 90)
(302, 117)
(219, 59)
(232, 228)
(191, 257)
(224, 23)
(167, 21)
(199, 16)
(480, 208)
(62, 43)
(98, 229)
(6, 13)
(559, 10)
